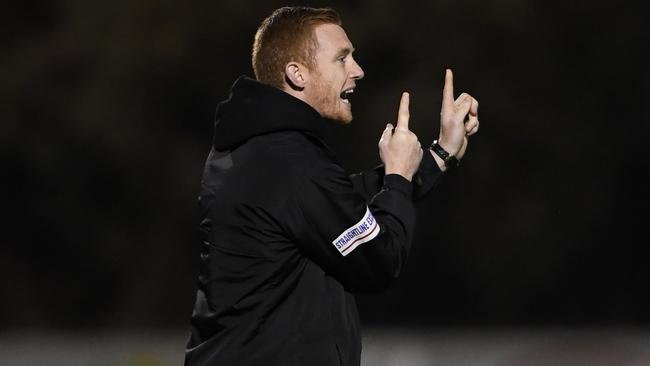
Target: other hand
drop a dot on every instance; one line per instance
(454, 129)
(399, 148)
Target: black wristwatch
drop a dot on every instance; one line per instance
(450, 160)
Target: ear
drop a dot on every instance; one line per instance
(295, 75)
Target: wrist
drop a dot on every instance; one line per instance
(439, 161)
(448, 159)
(447, 146)
(405, 175)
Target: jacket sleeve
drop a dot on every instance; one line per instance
(370, 182)
(362, 244)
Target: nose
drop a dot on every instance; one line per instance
(356, 71)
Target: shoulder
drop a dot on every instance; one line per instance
(296, 152)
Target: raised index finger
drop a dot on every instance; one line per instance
(448, 90)
(403, 114)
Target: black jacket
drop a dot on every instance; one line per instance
(288, 236)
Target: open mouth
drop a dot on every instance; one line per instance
(346, 95)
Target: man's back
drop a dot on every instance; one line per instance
(259, 297)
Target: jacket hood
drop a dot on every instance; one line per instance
(254, 109)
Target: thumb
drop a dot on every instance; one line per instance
(388, 133)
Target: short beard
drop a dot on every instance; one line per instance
(322, 98)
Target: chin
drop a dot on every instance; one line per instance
(337, 113)
(342, 119)
(343, 116)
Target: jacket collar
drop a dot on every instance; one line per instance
(254, 109)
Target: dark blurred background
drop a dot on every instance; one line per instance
(107, 114)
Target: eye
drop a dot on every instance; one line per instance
(341, 59)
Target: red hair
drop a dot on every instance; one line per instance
(288, 35)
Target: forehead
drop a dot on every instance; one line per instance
(331, 38)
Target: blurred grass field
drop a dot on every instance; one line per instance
(382, 347)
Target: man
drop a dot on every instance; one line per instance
(288, 236)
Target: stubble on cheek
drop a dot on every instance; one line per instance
(329, 104)
(326, 104)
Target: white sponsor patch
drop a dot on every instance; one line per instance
(363, 231)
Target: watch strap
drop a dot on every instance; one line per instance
(450, 160)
